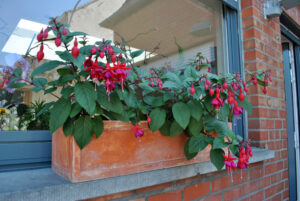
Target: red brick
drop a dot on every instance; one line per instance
(110, 197)
(249, 12)
(139, 199)
(250, 187)
(258, 135)
(232, 194)
(156, 187)
(172, 195)
(217, 197)
(221, 183)
(275, 198)
(256, 172)
(196, 191)
(274, 189)
(257, 196)
(276, 178)
(273, 167)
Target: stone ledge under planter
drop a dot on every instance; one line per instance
(44, 184)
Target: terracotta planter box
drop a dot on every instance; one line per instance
(118, 152)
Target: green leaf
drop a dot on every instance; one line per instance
(40, 82)
(197, 143)
(113, 103)
(146, 88)
(195, 126)
(174, 78)
(136, 53)
(175, 129)
(68, 128)
(67, 91)
(59, 113)
(165, 129)
(220, 127)
(50, 90)
(171, 85)
(246, 105)
(154, 101)
(64, 71)
(79, 61)
(37, 89)
(216, 157)
(63, 79)
(98, 126)
(76, 33)
(45, 67)
(224, 112)
(181, 114)
(17, 72)
(83, 131)
(196, 109)
(219, 143)
(86, 50)
(188, 154)
(234, 149)
(75, 109)
(16, 85)
(45, 108)
(85, 96)
(158, 118)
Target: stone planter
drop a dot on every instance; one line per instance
(118, 152)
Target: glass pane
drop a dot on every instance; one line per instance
(171, 31)
(20, 22)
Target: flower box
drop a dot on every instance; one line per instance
(118, 152)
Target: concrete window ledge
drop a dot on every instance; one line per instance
(44, 184)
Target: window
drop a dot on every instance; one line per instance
(171, 31)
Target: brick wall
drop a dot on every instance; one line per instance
(267, 180)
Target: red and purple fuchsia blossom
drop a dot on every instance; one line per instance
(138, 131)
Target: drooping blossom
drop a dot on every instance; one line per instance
(225, 85)
(211, 91)
(229, 163)
(148, 119)
(237, 110)
(64, 31)
(241, 96)
(40, 54)
(217, 102)
(40, 36)
(57, 41)
(192, 89)
(75, 50)
(138, 131)
(93, 50)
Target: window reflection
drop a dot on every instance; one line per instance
(171, 31)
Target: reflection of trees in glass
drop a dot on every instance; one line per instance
(30, 118)
(11, 99)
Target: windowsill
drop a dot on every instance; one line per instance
(42, 184)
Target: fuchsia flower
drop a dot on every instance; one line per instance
(229, 163)
(237, 109)
(40, 36)
(148, 119)
(64, 31)
(192, 90)
(57, 41)
(40, 54)
(243, 161)
(75, 49)
(138, 131)
(217, 102)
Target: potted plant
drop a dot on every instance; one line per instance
(113, 118)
